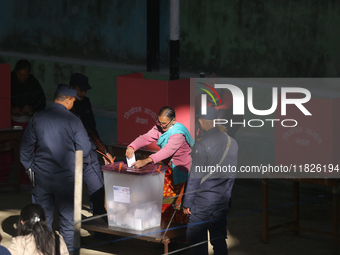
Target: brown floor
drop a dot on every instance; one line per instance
(244, 223)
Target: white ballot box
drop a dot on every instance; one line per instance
(134, 196)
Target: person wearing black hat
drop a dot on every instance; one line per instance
(48, 152)
(83, 106)
(92, 175)
(210, 182)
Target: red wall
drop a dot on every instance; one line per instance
(316, 138)
(139, 100)
(5, 95)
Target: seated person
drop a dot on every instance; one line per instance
(27, 96)
(34, 236)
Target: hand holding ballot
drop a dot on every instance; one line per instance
(129, 152)
(131, 160)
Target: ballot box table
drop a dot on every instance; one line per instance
(10, 140)
(174, 232)
(294, 224)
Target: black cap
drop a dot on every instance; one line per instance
(211, 114)
(80, 80)
(67, 90)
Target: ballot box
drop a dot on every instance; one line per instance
(134, 196)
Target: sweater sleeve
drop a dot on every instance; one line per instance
(175, 141)
(152, 135)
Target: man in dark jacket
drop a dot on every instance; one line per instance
(208, 192)
(92, 175)
(56, 134)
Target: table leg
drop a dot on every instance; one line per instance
(296, 207)
(265, 223)
(166, 247)
(17, 166)
(335, 220)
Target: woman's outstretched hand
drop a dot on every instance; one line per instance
(141, 163)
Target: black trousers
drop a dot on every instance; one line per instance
(57, 193)
(212, 218)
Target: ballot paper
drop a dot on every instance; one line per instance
(131, 160)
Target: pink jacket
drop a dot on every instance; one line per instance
(177, 148)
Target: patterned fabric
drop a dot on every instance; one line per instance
(170, 193)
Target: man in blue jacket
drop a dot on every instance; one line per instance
(92, 175)
(56, 134)
(208, 191)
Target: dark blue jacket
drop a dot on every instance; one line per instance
(57, 134)
(208, 152)
(84, 110)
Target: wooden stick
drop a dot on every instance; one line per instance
(78, 186)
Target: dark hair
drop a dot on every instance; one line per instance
(167, 111)
(22, 64)
(34, 222)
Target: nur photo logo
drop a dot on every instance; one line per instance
(238, 99)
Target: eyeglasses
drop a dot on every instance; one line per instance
(162, 124)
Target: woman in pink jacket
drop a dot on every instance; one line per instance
(175, 145)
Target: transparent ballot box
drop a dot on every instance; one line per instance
(134, 196)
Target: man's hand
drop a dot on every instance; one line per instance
(129, 152)
(186, 210)
(16, 111)
(141, 163)
(105, 160)
(27, 109)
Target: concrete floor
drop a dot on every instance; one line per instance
(244, 223)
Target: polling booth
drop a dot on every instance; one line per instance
(312, 147)
(138, 103)
(310, 150)
(9, 137)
